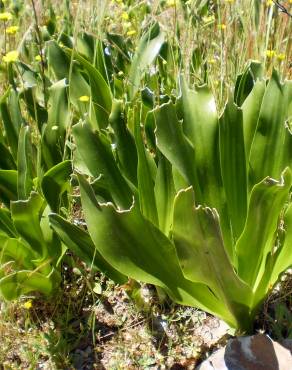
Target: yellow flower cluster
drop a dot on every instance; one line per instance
(131, 33)
(11, 56)
(12, 30)
(27, 305)
(272, 53)
(5, 16)
(212, 61)
(222, 26)
(125, 16)
(269, 2)
(171, 3)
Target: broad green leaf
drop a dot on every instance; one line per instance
(6, 224)
(81, 244)
(250, 114)
(24, 163)
(11, 126)
(124, 141)
(233, 166)
(58, 60)
(283, 259)
(19, 283)
(245, 82)
(202, 254)
(85, 45)
(37, 112)
(136, 248)
(8, 186)
(100, 91)
(64, 66)
(147, 50)
(95, 150)
(271, 147)
(7, 161)
(175, 146)
(145, 182)
(200, 125)
(164, 194)
(55, 182)
(257, 240)
(18, 252)
(53, 139)
(26, 216)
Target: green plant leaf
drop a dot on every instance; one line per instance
(95, 150)
(18, 252)
(6, 224)
(202, 254)
(81, 244)
(24, 163)
(147, 50)
(145, 182)
(233, 166)
(55, 182)
(250, 114)
(124, 141)
(19, 283)
(175, 146)
(11, 125)
(7, 161)
(8, 186)
(272, 136)
(257, 240)
(164, 194)
(54, 135)
(26, 216)
(151, 258)
(100, 91)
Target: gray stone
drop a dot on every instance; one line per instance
(258, 352)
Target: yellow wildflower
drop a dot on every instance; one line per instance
(131, 33)
(38, 58)
(5, 16)
(171, 3)
(120, 73)
(27, 305)
(54, 128)
(270, 53)
(229, 1)
(222, 26)
(209, 19)
(125, 16)
(11, 57)
(269, 2)
(212, 61)
(12, 30)
(84, 98)
(281, 56)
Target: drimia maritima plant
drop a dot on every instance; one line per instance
(173, 194)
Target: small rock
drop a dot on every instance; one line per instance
(258, 352)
